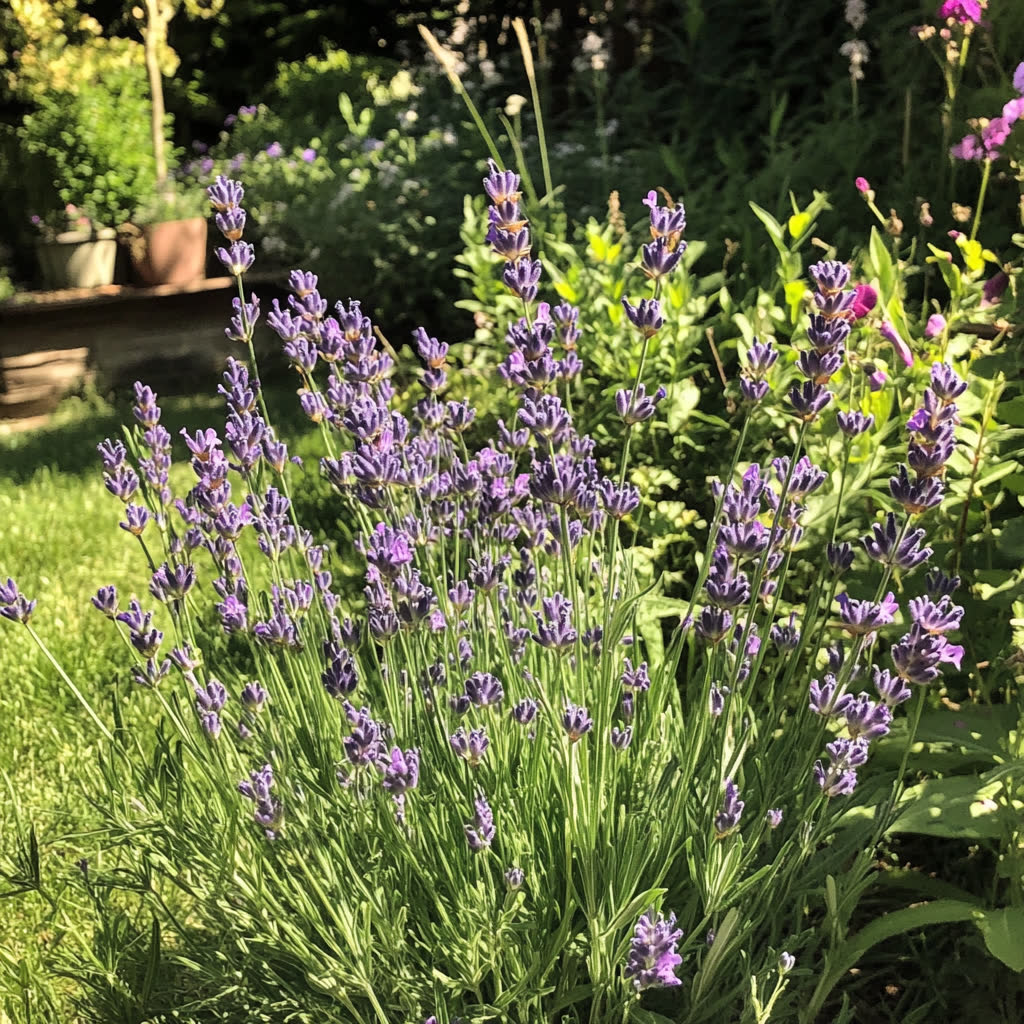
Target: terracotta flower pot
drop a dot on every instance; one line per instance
(173, 252)
(78, 259)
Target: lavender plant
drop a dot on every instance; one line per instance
(478, 792)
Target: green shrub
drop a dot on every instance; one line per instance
(92, 147)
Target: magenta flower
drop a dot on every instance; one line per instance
(994, 135)
(968, 148)
(864, 301)
(308, 155)
(963, 11)
(876, 379)
(1018, 78)
(863, 185)
(892, 336)
(935, 326)
(1013, 110)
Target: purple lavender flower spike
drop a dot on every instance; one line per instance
(501, 186)
(401, 771)
(885, 546)
(521, 278)
(652, 953)
(713, 624)
(825, 698)
(576, 721)
(915, 495)
(666, 221)
(946, 384)
(940, 616)
(635, 678)
(786, 635)
(112, 453)
(268, 811)
(853, 424)
(939, 585)
(231, 223)
(339, 677)
(658, 259)
(773, 817)
(470, 746)
(172, 583)
(514, 878)
(808, 399)
(634, 405)
(866, 719)
(238, 258)
(716, 700)
(829, 276)
(645, 316)
(890, 688)
(480, 834)
(621, 738)
(862, 618)
(845, 757)
(919, 655)
(253, 697)
(225, 194)
(484, 690)
(106, 601)
(839, 557)
(14, 606)
(728, 818)
(525, 711)
(555, 629)
(145, 410)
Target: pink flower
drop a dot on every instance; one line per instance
(935, 326)
(994, 134)
(876, 379)
(308, 155)
(864, 302)
(1013, 109)
(892, 336)
(968, 148)
(863, 185)
(1018, 78)
(962, 10)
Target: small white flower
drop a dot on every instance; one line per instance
(856, 14)
(514, 104)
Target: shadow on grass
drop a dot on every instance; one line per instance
(67, 444)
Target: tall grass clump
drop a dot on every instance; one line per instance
(474, 791)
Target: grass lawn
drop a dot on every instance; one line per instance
(60, 541)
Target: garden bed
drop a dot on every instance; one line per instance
(53, 342)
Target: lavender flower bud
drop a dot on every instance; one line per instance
(652, 953)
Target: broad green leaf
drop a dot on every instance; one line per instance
(885, 927)
(949, 271)
(881, 262)
(1003, 931)
(960, 807)
(973, 726)
(774, 228)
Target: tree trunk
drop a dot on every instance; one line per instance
(153, 33)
